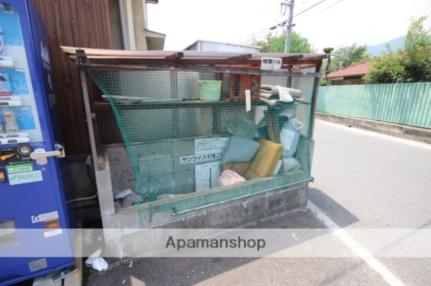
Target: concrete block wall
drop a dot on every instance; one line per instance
(161, 169)
(233, 214)
(160, 166)
(121, 172)
(243, 211)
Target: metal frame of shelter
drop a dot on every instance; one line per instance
(294, 66)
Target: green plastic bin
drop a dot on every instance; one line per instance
(210, 90)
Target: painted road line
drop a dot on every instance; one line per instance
(356, 247)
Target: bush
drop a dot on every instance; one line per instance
(388, 68)
(413, 64)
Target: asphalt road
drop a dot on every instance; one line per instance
(381, 181)
(244, 271)
(369, 180)
(362, 180)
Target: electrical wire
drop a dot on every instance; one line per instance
(254, 34)
(329, 7)
(309, 8)
(298, 14)
(283, 8)
(265, 10)
(283, 23)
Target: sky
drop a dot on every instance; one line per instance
(332, 23)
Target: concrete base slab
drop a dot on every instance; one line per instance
(225, 215)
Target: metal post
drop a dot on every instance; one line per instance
(173, 76)
(314, 100)
(88, 117)
(272, 124)
(102, 173)
(289, 25)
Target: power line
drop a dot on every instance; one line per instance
(251, 35)
(300, 13)
(265, 10)
(309, 8)
(283, 23)
(329, 7)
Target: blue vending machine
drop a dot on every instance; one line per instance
(31, 188)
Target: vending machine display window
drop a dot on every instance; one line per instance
(19, 122)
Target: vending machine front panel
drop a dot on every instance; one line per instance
(31, 188)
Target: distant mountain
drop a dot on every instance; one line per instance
(395, 44)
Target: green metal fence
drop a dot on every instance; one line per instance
(403, 103)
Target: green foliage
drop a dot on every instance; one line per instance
(326, 63)
(412, 64)
(323, 81)
(298, 44)
(271, 44)
(388, 68)
(328, 50)
(347, 56)
(418, 52)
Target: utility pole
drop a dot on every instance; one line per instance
(289, 23)
(328, 52)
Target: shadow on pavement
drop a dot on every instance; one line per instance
(188, 271)
(336, 212)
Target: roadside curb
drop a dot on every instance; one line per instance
(403, 131)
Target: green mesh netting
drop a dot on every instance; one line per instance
(169, 132)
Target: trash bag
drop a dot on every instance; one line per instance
(243, 127)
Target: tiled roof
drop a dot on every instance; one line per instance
(355, 70)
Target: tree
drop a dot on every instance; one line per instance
(418, 52)
(411, 64)
(327, 52)
(388, 68)
(298, 44)
(347, 56)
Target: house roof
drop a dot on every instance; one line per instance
(352, 71)
(221, 43)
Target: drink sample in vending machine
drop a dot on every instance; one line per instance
(5, 61)
(1, 41)
(10, 122)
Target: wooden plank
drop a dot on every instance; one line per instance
(138, 61)
(188, 56)
(148, 54)
(80, 23)
(71, 50)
